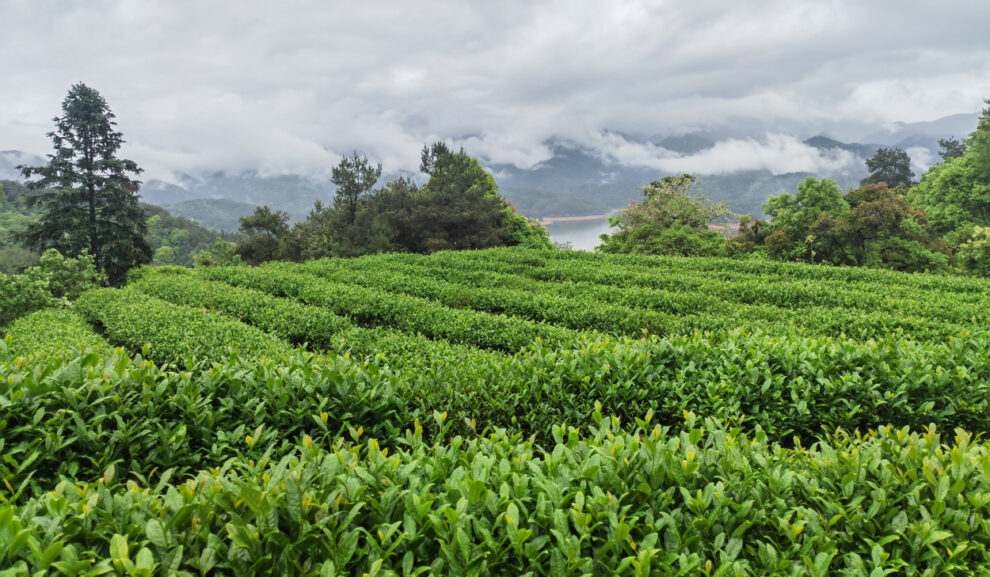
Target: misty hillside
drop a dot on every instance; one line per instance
(578, 179)
(219, 214)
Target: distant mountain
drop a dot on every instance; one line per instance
(823, 142)
(215, 213)
(957, 125)
(577, 179)
(10, 159)
(292, 193)
(687, 143)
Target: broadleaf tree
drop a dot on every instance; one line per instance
(88, 195)
(672, 219)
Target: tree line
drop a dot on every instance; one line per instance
(458, 208)
(87, 202)
(940, 223)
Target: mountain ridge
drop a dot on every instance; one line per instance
(578, 179)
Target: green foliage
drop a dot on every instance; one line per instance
(672, 219)
(354, 178)
(376, 307)
(211, 445)
(261, 234)
(675, 240)
(295, 322)
(872, 226)
(224, 254)
(890, 166)
(175, 333)
(603, 501)
(88, 199)
(951, 148)
(55, 281)
(974, 254)
(21, 294)
(719, 294)
(955, 194)
(79, 415)
(15, 217)
(463, 210)
(67, 278)
(52, 334)
(175, 240)
(458, 208)
(797, 213)
(534, 304)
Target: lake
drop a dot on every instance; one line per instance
(583, 234)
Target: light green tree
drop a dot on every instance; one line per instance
(955, 193)
(672, 218)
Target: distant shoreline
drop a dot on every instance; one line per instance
(734, 226)
(552, 219)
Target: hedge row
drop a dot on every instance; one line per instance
(374, 307)
(175, 333)
(50, 333)
(896, 296)
(546, 306)
(706, 501)
(680, 310)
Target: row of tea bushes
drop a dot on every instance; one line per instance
(175, 333)
(705, 501)
(64, 418)
(376, 307)
(791, 385)
(689, 305)
(546, 306)
(50, 333)
(896, 297)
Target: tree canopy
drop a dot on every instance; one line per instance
(672, 218)
(796, 213)
(955, 193)
(891, 166)
(355, 178)
(458, 208)
(261, 234)
(87, 195)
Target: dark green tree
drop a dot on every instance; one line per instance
(883, 231)
(460, 208)
(951, 148)
(355, 177)
(261, 235)
(891, 166)
(87, 196)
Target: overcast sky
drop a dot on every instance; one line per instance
(287, 86)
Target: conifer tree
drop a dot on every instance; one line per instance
(88, 195)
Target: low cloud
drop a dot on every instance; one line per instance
(921, 159)
(291, 86)
(777, 153)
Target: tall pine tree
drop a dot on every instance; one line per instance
(88, 197)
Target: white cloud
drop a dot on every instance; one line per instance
(289, 86)
(921, 160)
(777, 153)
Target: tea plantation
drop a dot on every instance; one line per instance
(501, 412)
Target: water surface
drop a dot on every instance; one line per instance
(582, 234)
